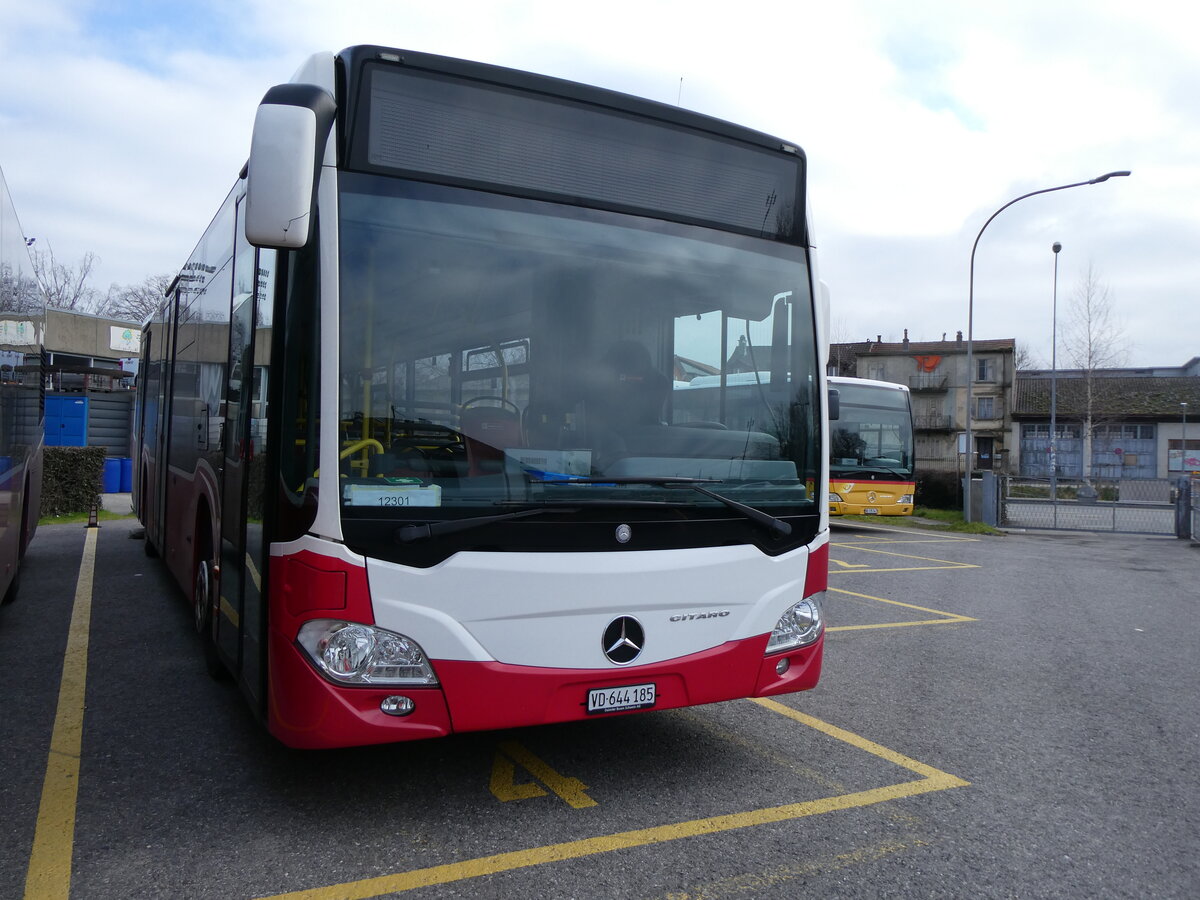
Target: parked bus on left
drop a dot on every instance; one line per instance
(22, 395)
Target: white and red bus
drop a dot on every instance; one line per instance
(22, 396)
(871, 449)
(406, 416)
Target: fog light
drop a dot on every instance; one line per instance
(397, 705)
(782, 666)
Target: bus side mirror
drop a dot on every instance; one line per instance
(291, 129)
(835, 405)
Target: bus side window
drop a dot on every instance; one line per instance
(301, 414)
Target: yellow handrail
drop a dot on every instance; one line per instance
(358, 445)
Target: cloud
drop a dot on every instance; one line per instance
(919, 121)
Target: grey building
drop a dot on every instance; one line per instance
(936, 374)
(1110, 424)
(91, 362)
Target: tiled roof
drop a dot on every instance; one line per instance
(1121, 396)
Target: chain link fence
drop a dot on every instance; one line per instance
(1189, 508)
(1142, 506)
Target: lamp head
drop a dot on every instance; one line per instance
(1109, 175)
(1057, 246)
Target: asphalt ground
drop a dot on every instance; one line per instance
(1012, 716)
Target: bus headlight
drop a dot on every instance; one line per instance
(350, 653)
(835, 498)
(905, 498)
(801, 625)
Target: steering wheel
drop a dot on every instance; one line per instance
(506, 404)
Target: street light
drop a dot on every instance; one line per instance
(970, 451)
(1056, 247)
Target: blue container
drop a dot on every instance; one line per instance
(126, 474)
(111, 482)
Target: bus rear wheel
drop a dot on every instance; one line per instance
(202, 618)
(14, 587)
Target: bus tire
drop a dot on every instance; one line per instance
(26, 532)
(14, 587)
(202, 618)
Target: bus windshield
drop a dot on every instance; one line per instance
(873, 433)
(498, 352)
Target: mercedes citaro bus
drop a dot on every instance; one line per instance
(406, 420)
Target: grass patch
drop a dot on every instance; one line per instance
(102, 515)
(928, 518)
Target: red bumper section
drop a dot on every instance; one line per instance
(307, 711)
(480, 696)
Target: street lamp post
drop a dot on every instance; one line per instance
(1056, 247)
(970, 449)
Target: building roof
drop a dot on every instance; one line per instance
(924, 348)
(1118, 396)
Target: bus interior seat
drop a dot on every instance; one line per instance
(407, 462)
(487, 431)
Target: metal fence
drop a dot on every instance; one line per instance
(1142, 506)
(1189, 508)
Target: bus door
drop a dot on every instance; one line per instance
(239, 571)
(162, 351)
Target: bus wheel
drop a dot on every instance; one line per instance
(202, 617)
(13, 587)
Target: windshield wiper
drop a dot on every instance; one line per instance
(409, 533)
(895, 473)
(768, 521)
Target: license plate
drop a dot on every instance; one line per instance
(870, 511)
(620, 699)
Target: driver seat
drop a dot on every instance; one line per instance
(487, 432)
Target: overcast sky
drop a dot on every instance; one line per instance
(123, 125)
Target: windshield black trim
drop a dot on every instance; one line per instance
(570, 529)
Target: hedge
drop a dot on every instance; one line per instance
(938, 490)
(71, 479)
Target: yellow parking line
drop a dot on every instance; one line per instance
(931, 780)
(849, 737)
(898, 569)
(947, 617)
(949, 563)
(866, 542)
(49, 874)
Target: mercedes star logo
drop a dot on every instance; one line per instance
(623, 640)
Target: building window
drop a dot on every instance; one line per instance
(985, 407)
(875, 371)
(985, 370)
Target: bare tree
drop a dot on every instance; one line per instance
(135, 302)
(1093, 340)
(841, 351)
(20, 292)
(1024, 358)
(66, 287)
